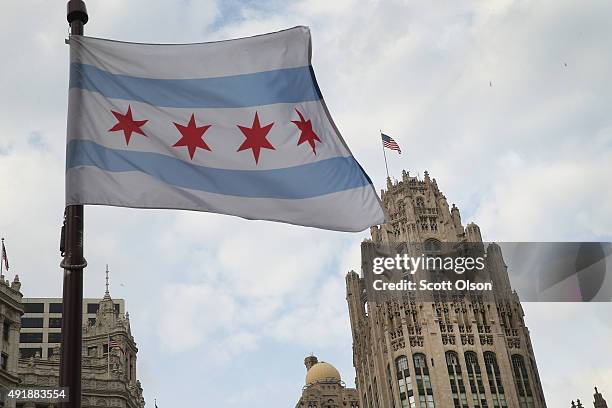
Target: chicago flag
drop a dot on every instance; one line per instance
(235, 127)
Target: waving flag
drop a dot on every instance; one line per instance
(235, 127)
(4, 256)
(390, 143)
(112, 343)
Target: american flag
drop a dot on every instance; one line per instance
(4, 258)
(112, 343)
(389, 143)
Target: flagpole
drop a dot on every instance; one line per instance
(73, 264)
(384, 154)
(108, 358)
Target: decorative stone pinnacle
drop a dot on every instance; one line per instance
(107, 293)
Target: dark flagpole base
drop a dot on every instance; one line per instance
(72, 314)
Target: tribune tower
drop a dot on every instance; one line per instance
(459, 352)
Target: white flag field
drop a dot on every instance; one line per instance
(235, 127)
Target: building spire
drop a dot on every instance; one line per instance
(107, 293)
(599, 402)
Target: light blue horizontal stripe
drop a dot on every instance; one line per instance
(290, 85)
(303, 181)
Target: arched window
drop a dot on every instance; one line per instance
(475, 377)
(432, 246)
(521, 379)
(404, 382)
(495, 382)
(434, 260)
(423, 382)
(420, 203)
(456, 380)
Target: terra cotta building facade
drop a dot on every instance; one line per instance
(450, 352)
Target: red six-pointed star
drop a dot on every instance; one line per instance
(127, 124)
(191, 136)
(256, 137)
(307, 135)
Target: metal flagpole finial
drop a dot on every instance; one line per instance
(77, 11)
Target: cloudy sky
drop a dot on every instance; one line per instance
(507, 104)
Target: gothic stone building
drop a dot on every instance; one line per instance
(598, 401)
(109, 376)
(459, 352)
(324, 387)
(11, 311)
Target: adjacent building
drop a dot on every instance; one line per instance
(449, 352)
(11, 310)
(41, 324)
(109, 349)
(109, 362)
(324, 387)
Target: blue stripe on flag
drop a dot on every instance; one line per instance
(289, 85)
(303, 181)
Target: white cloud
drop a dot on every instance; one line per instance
(320, 322)
(186, 319)
(572, 349)
(526, 158)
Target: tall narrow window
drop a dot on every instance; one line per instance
(456, 380)
(421, 371)
(495, 382)
(404, 383)
(3, 361)
(521, 379)
(6, 330)
(475, 377)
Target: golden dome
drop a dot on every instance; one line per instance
(322, 372)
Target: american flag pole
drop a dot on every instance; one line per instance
(384, 154)
(108, 357)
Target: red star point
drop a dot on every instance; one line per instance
(307, 135)
(127, 124)
(191, 136)
(256, 138)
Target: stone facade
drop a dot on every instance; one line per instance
(109, 379)
(459, 352)
(10, 320)
(324, 387)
